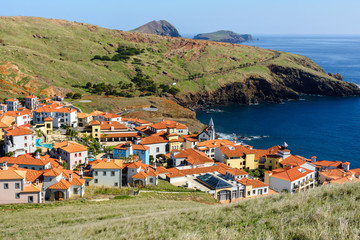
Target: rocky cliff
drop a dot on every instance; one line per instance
(162, 28)
(224, 36)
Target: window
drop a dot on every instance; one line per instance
(6, 186)
(25, 138)
(142, 152)
(79, 154)
(157, 149)
(265, 190)
(17, 195)
(151, 180)
(86, 183)
(30, 199)
(75, 190)
(17, 185)
(95, 173)
(25, 144)
(104, 173)
(96, 181)
(75, 154)
(254, 191)
(249, 193)
(116, 184)
(112, 173)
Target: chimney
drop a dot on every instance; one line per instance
(67, 144)
(108, 158)
(5, 165)
(37, 182)
(147, 169)
(86, 161)
(37, 155)
(60, 160)
(313, 159)
(291, 166)
(155, 165)
(81, 172)
(234, 139)
(70, 177)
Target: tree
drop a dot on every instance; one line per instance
(9, 154)
(69, 95)
(77, 96)
(88, 85)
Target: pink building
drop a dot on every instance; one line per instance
(15, 189)
(73, 153)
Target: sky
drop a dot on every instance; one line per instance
(200, 16)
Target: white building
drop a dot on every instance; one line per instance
(19, 140)
(73, 153)
(62, 116)
(105, 116)
(3, 107)
(31, 102)
(291, 179)
(208, 133)
(107, 173)
(12, 104)
(22, 118)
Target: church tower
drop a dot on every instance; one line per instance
(211, 129)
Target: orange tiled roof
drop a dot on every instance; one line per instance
(94, 122)
(6, 121)
(62, 184)
(77, 181)
(52, 172)
(174, 172)
(70, 147)
(31, 96)
(114, 164)
(120, 135)
(82, 115)
(11, 100)
(325, 163)
(141, 175)
(17, 113)
(293, 161)
(168, 124)
(12, 174)
(194, 156)
(335, 173)
(290, 174)
(214, 143)
(31, 188)
(17, 131)
(48, 119)
(140, 147)
(252, 182)
(237, 172)
(107, 125)
(25, 160)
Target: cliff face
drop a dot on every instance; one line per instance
(224, 36)
(287, 83)
(162, 28)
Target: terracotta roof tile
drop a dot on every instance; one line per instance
(70, 147)
(62, 184)
(17, 131)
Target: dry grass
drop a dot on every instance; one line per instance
(331, 212)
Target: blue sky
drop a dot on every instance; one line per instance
(198, 16)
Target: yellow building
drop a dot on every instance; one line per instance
(48, 128)
(238, 156)
(95, 129)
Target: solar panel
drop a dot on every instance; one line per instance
(213, 181)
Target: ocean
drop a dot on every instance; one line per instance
(326, 127)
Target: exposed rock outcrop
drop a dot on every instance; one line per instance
(224, 36)
(162, 28)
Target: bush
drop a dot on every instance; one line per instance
(77, 96)
(69, 95)
(174, 90)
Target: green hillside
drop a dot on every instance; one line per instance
(48, 57)
(330, 212)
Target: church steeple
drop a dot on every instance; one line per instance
(211, 129)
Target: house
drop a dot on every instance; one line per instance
(3, 107)
(22, 118)
(190, 140)
(105, 116)
(135, 122)
(111, 131)
(5, 122)
(140, 174)
(291, 179)
(62, 116)
(28, 162)
(12, 104)
(59, 98)
(238, 156)
(162, 143)
(253, 187)
(62, 184)
(14, 187)
(209, 146)
(190, 157)
(208, 133)
(236, 174)
(336, 175)
(31, 102)
(125, 150)
(73, 153)
(19, 140)
(107, 173)
(84, 119)
(170, 126)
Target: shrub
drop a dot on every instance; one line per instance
(69, 95)
(77, 96)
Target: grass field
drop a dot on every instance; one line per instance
(330, 212)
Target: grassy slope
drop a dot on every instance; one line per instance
(216, 36)
(331, 212)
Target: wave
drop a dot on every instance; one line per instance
(230, 136)
(214, 110)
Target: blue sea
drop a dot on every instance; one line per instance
(326, 127)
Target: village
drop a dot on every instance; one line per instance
(51, 151)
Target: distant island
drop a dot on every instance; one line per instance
(224, 36)
(162, 28)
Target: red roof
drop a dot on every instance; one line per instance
(62, 184)
(168, 124)
(25, 160)
(290, 174)
(252, 182)
(17, 131)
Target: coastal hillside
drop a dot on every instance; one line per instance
(224, 36)
(162, 28)
(329, 212)
(48, 56)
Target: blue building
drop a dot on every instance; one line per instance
(126, 150)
